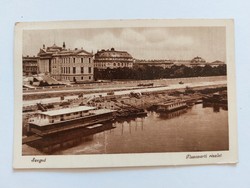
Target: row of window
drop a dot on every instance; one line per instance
(66, 70)
(113, 59)
(68, 78)
(114, 64)
(176, 104)
(69, 59)
(30, 68)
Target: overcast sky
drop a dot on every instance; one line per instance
(141, 43)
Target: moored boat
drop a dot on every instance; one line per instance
(55, 121)
(171, 106)
(216, 98)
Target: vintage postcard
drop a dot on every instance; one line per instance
(121, 93)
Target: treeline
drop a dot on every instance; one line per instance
(153, 72)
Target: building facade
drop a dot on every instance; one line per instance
(198, 61)
(181, 62)
(66, 65)
(158, 63)
(113, 59)
(30, 65)
(217, 63)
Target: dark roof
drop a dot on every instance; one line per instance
(112, 53)
(198, 60)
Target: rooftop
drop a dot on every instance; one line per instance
(67, 110)
(217, 63)
(198, 60)
(112, 53)
(61, 51)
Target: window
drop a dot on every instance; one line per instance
(74, 60)
(82, 78)
(74, 70)
(89, 60)
(89, 77)
(81, 60)
(82, 70)
(89, 69)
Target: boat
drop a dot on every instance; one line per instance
(131, 113)
(171, 106)
(172, 114)
(62, 120)
(216, 98)
(51, 143)
(145, 85)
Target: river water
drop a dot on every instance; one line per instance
(198, 128)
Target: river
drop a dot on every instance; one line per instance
(198, 128)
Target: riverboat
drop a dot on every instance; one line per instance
(62, 120)
(171, 106)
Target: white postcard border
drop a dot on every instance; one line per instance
(125, 160)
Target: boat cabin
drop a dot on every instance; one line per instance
(60, 115)
(172, 106)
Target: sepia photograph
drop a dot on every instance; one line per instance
(124, 93)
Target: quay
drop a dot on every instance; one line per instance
(173, 87)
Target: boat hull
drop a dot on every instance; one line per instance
(62, 126)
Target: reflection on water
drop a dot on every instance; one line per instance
(200, 128)
(216, 107)
(177, 113)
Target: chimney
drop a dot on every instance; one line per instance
(64, 45)
(43, 46)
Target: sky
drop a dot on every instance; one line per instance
(183, 43)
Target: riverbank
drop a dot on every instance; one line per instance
(127, 105)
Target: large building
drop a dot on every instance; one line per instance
(113, 59)
(158, 63)
(198, 61)
(30, 65)
(217, 63)
(181, 62)
(66, 65)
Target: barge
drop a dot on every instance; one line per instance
(50, 144)
(62, 120)
(216, 98)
